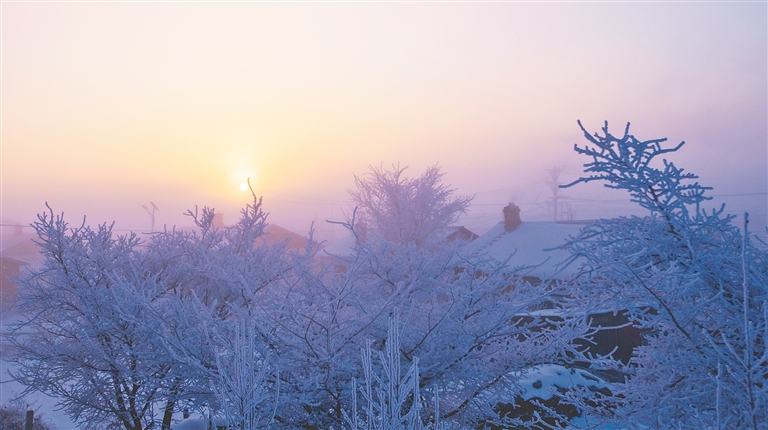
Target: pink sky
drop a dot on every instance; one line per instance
(107, 106)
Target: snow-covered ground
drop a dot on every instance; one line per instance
(43, 405)
(9, 389)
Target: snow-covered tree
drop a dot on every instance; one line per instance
(245, 380)
(395, 208)
(210, 276)
(468, 332)
(391, 400)
(460, 315)
(85, 338)
(124, 331)
(690, 279)
(114, 327)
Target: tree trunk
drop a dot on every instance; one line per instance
(168, 415)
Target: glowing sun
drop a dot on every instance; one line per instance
(244, 187)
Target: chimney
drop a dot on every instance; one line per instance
(511, 217)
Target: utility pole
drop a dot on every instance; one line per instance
(561, 210)
(554, 175)
(151, 214)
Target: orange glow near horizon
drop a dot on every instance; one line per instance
(109, 105)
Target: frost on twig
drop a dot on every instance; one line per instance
(391, 400)
(626, 163)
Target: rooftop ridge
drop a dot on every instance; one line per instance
(493, 240)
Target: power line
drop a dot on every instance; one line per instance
(740, 195)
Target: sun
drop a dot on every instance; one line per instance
(244, 187)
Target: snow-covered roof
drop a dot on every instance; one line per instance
(24, 249)
(532, 244)
(273, 233)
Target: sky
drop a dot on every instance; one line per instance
(107, 107)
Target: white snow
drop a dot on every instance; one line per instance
(532, 244)
(542, 381)
(43, 405)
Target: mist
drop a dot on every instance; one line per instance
(108, 107)
(139, 113)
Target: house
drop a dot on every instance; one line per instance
(20, 251)
(533, 246)
(10, 268)
(460, 233)
(537, 249)
(273, 233)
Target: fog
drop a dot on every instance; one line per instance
(108, 107)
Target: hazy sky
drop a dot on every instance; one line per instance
(107, 106)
